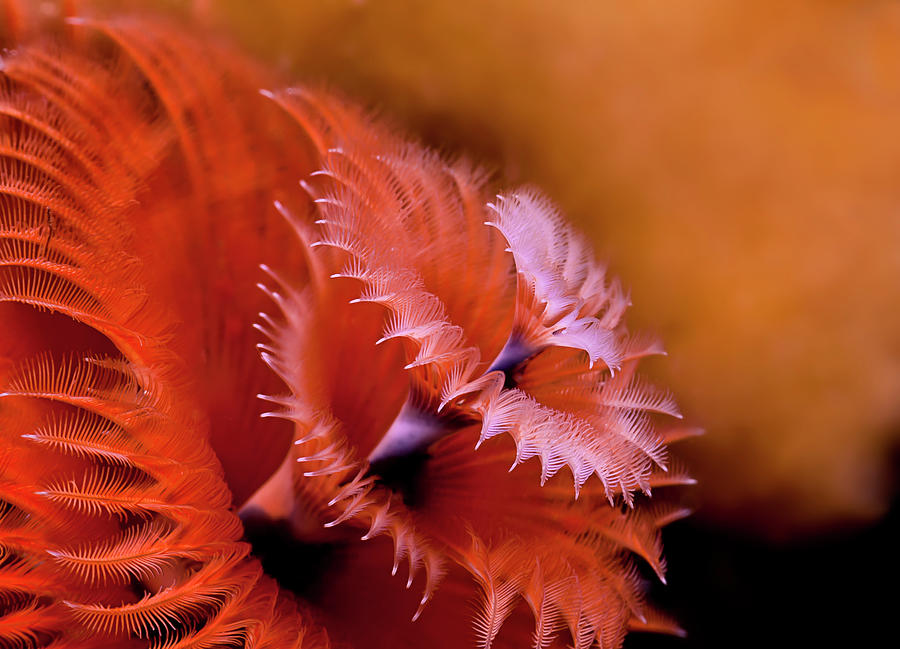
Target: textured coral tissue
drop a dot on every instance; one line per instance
(272, 375)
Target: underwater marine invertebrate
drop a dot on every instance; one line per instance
(755, 141)
(419, 329)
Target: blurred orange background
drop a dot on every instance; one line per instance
(734, 162)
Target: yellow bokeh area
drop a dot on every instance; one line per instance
(735, 162)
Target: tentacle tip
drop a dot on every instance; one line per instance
(426, 597)
(268, 94)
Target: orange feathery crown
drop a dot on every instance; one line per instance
(420, 341)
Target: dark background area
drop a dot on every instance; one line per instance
(837, 588)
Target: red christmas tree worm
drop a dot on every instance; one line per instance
(430, 339)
